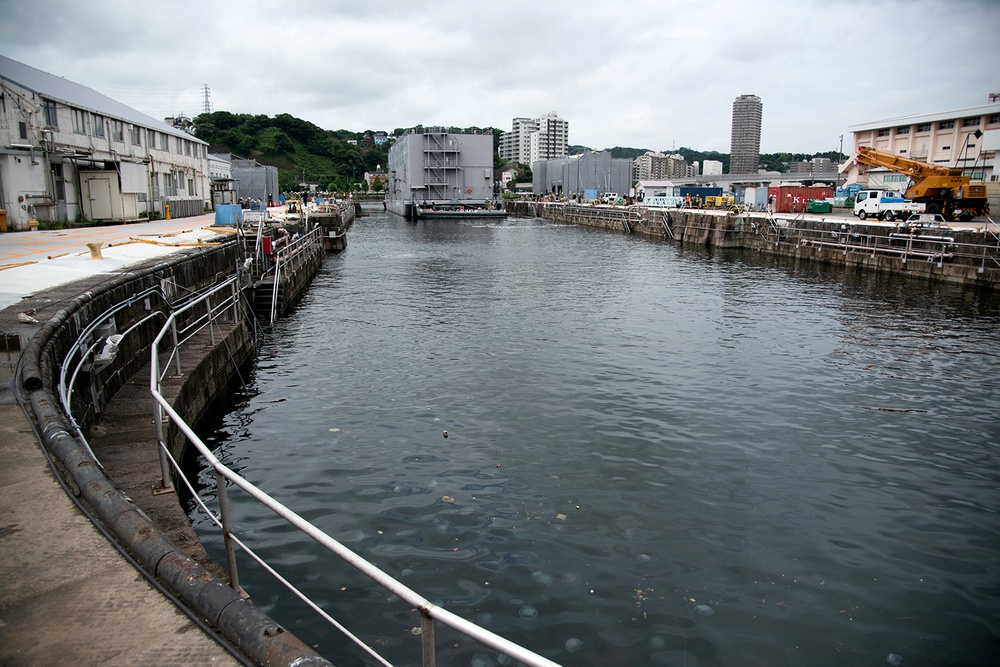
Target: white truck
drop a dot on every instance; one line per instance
(885, 205)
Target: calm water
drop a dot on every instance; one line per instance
(654, 456)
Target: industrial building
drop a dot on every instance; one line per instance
(436, 165)
(745, 142)
(69, 153)
(534, 139)
(589, 171)
(254, 182)
(966, 138)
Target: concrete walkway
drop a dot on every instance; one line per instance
(67, 596)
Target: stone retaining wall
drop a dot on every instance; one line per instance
(240, 622)
(976, 260)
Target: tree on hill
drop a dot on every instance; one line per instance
(298, 148)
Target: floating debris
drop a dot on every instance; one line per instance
(894, 658)
(703, 610)
(528, 612)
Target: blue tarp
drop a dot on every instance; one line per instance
(228, 215)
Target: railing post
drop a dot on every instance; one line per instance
(227, 538)
(211, 321)
(177, 349)
(166, 482)
(427, 639)
(274, 289)
(234, 296)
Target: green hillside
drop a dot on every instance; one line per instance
(302, 151)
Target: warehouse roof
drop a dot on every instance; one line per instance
(76, 95)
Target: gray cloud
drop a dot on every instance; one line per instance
(646, 74)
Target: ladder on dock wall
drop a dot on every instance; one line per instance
(268, 299)
(665, 221)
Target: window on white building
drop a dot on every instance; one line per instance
(51, 118)
(903, 130)
(117, 130)
(924, 127)
(946, 125)
(883, 132)
(97, 125)
(79, 121)
(971, 122)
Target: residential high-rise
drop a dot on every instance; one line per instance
(656, 166)
(534, 139)
(745, 143)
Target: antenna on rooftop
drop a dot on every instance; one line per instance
(207, 108)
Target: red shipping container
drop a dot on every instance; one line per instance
(794, 198)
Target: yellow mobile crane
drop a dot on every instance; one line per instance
(945, 190)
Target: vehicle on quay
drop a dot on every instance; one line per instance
(885, 205)
(944, 190)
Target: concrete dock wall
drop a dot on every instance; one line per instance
(976, 263)
(252, 632)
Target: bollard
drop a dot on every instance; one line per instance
(95, 249)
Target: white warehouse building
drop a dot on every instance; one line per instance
(967, 138)
(69, 153)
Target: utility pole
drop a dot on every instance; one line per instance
(840, 154)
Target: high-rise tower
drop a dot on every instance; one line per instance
(745, 144)
(534, 139)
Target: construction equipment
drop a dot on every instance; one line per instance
(945, 190)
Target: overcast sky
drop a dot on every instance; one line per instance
(654, 74)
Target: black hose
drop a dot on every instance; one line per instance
(193, 617)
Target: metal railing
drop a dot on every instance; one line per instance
(225, 478)
(183, 325)
(287, 258)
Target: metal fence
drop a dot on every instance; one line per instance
(214, 305)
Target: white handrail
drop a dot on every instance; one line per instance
(428, 610)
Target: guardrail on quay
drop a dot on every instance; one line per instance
(80, 352)
(167, 345)
(952, 254)
(182, 313)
